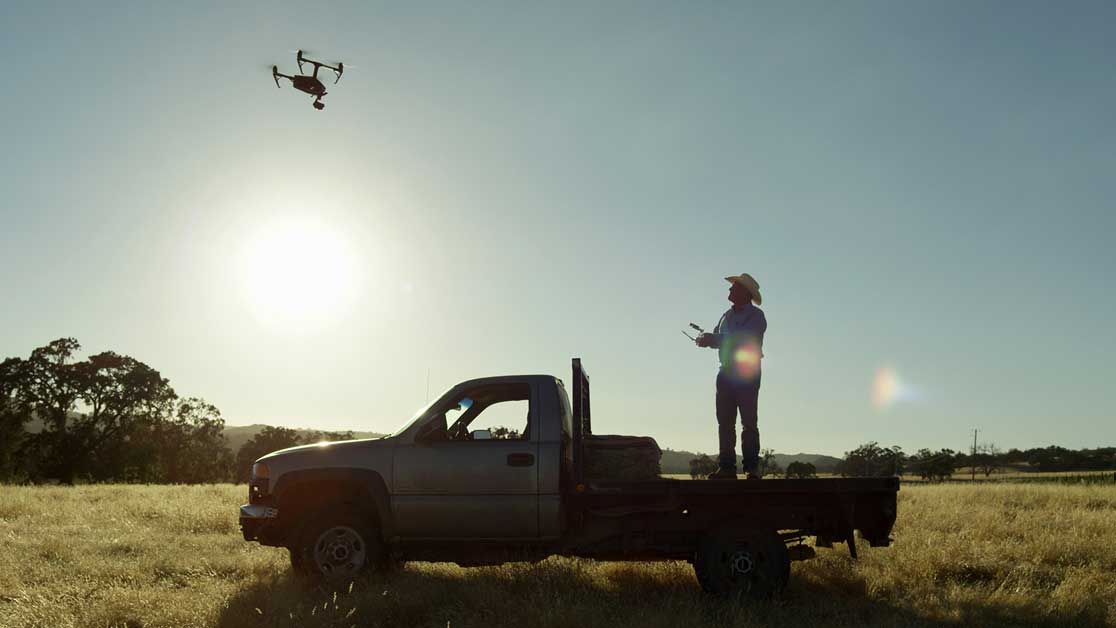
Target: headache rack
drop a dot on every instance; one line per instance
(582, 423)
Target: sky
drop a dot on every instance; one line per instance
(924, 191)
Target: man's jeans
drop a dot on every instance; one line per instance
(743, 395)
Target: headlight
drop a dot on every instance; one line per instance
(259, 481)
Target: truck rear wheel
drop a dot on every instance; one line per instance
(738, 561)
(338, 544)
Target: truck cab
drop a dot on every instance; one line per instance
(481, 463)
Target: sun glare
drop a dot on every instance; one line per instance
(297, 274)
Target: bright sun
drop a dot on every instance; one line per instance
(297, 274)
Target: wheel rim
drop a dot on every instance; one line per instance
(740, 563)
(340, 550)
(743, 565)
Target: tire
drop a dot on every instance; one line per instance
(338, 545)
(735, 561)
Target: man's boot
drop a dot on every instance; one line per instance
(722, 474)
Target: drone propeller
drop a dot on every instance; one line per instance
(301, 56)
(275, 75)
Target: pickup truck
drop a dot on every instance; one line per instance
(438, 490)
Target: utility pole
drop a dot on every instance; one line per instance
(972, 463)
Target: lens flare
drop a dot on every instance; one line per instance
(888, 389)
(746, 360)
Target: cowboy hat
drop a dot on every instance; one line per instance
(744, 280)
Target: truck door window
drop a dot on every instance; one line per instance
(503, 410)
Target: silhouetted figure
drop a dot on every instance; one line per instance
(738, 337)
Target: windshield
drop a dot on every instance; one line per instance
(411, 421)
(421, 411)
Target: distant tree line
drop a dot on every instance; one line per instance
(703, 465)
(110, 417)
(873, 460)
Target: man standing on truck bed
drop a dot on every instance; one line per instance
(738, 337)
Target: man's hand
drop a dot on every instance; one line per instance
(704, 340)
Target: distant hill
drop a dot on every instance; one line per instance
(679, 461)
(237, 435)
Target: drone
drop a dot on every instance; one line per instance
(309, 84)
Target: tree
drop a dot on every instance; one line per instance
(767, 464)
(871, 460)
(268, 439)
(934, 466)
(122, 397)
(13, 415)
(988, 459)
(192, 447)
(505, 433)
(702, 466)
(91, 408)
(798, 469)
(327, 437)
(50, 386)
(51, 391)
(1013, 456)
(1053, 458)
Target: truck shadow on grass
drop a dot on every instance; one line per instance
(580, 593)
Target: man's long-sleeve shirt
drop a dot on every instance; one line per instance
(738, 337)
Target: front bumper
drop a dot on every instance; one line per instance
(259, 522)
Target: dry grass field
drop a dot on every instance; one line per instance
(985, 555)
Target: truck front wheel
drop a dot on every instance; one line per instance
(338, 544)
(737, 561)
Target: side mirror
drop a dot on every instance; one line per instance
(480, 435)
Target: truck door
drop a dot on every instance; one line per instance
(474, 475)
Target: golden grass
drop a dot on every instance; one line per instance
(987, 555)
(1008, 475)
